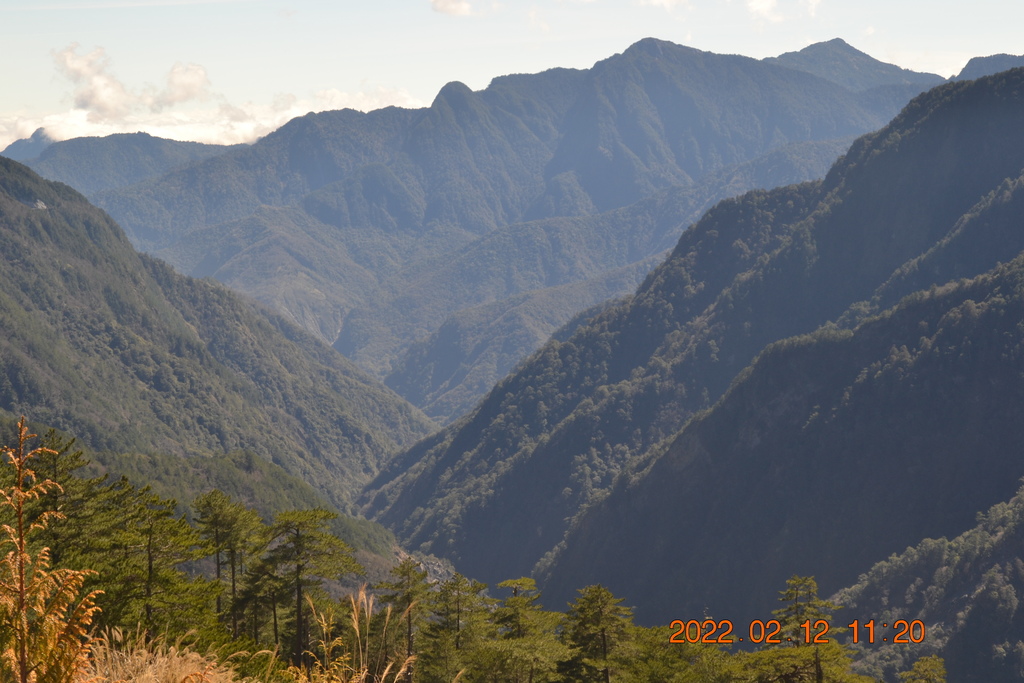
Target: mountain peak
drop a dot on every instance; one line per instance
(655, 47)
(28, 148)
(986, 66)
(453, 93)
(838, 61)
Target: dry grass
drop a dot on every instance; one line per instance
(118, 658)
(356, 663)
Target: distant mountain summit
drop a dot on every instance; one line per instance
(29, 147)
(838, 61)
(95, 164)
(986, 66)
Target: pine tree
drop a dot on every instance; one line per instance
(814, 663)
(802, 606)
(457, 626)
(926, 670)
(306, 552)
(407, 595)
(594, 627)
(526, 650)
(233, 532)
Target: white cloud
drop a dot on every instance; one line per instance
(812, 7)
(105, 98)
(185, 109)
(97, 91)
(185, 82)
(457, 7)
(536, 21)
(666, 4)
(764, 9)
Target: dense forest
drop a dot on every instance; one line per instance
(118, 349)
(266, 591)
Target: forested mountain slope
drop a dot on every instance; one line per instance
(834, 450)
(92, 165)
(965, 590)
(984, 66)
(494, 491)
(563, 142)
(348, 223)
(540, 275)
(119, 350)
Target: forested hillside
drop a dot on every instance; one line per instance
(501, 487)
(966, 589)
(92, 165)
(832, 451)
(127, 355)
(551, 262)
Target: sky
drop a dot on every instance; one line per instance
(228, 71)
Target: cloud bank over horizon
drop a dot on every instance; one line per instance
(186, 107)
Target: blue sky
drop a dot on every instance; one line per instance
(231, 70)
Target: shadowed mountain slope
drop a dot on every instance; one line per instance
(832, 451)
(966, 592)
(496, 491)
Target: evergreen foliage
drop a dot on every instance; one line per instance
(92, 165)
(304, 553)
(965, 590)
(465, 635)
(595, 626)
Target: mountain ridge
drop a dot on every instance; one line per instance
(550, 439)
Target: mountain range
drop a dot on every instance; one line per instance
(351, 224)
(744, 465)
(817, 376)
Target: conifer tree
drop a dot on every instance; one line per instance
(812, 663)
(233, 532)
(803, 605)
(594, 627)
(526, 649)
(930, 669)
(407, 595)
(306, 552)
